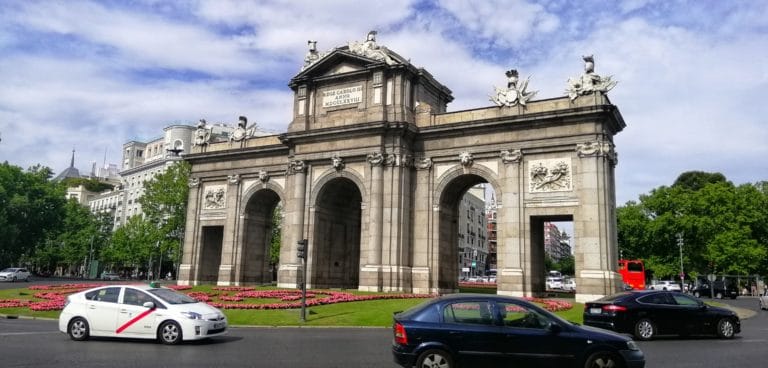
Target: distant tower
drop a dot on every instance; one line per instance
(70, 172)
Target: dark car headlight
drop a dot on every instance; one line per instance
(632, 346)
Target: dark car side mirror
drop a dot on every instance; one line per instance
(554, 328)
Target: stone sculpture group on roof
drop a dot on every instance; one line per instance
(514, 94)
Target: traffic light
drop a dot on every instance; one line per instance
(301, 250)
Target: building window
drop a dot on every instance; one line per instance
(377, 78)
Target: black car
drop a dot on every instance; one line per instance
(720, 291)
(646, 314)
(472, 330)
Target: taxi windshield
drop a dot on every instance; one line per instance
(172, 297)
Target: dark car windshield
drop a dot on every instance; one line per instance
(172, 297)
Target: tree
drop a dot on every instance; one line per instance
(724, 227)
(90, 184)
(133, 243)
(31, 207)
(274, 244)
(164, 203)
(695, 180)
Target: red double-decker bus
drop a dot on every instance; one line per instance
(633, 273)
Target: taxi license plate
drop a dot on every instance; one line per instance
(595, 310)
(217, 326)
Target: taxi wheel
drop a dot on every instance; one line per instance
(170, 333)
(78, 329)
(434, 358)
(603, 359)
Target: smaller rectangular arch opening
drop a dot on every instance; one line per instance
(552, 257)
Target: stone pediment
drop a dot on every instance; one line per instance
(338, 61)
(355, 56)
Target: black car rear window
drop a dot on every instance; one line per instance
(428, 312)
(614, 297)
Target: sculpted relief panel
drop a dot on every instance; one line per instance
(214, 197)
(552, 175)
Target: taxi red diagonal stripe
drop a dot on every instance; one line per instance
(134, 320)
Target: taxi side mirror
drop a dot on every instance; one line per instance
(149, 305)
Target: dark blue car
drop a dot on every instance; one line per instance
(472, 330)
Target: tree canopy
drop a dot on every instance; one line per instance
(724, 227)
(31, 207)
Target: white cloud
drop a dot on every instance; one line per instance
(504, 22)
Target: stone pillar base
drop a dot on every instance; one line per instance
(510, 281)
(225, 275)
(370, 278)
(185, 274)
(595, 284)
(420, 277)
(288, 276)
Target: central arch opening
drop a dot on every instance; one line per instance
(466, 253)
(335, 249)
(261, 219)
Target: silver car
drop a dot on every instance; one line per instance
(764, 301)
(14, 274)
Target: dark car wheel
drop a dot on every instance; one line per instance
(603, 359)
(644, 329)
(170, 333)
(78, 329)
(434, 359)
(725, 328)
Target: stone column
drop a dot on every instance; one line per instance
(230, 244)
(510, 227)
(293, 226)
(191, 247)
(596, 254)
(396, 257)
(370, 273)
(422, 280)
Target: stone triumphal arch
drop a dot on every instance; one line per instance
(371, 171)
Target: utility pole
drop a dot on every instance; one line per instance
(680, 243)
(301, 252)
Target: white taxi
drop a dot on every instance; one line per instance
(140, 311)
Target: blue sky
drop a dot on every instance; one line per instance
(92, 75)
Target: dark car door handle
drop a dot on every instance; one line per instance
(454, 332)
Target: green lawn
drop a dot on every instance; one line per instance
(374, 313)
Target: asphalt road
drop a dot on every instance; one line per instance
(37, 343)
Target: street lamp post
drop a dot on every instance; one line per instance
(90, 257)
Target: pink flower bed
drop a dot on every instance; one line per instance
(54, 297)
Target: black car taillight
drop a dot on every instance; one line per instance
(400, 336)
(614, 308)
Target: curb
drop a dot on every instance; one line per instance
(13, 316)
